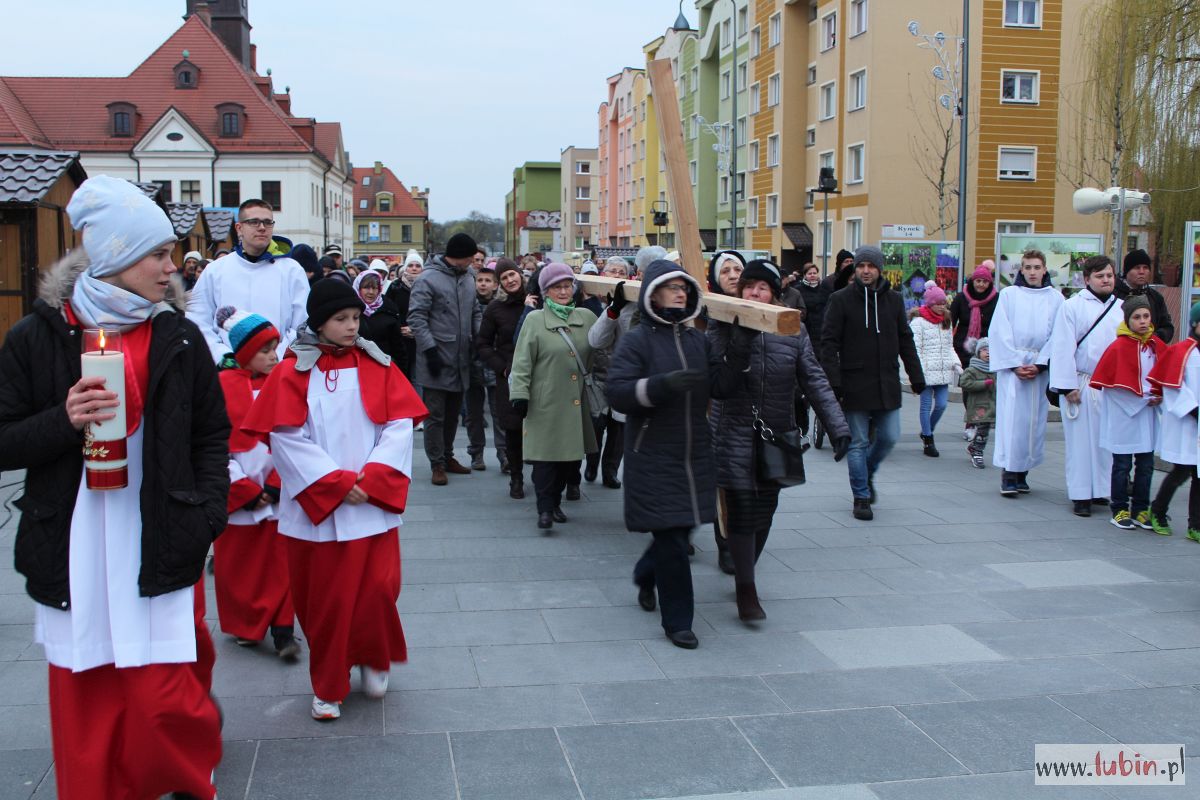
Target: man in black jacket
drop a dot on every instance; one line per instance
(1136, 281)
(865, 331)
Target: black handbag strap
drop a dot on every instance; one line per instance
(1112, 301)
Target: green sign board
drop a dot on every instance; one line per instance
(1064, 253)
(908, 264)
(1191, 269)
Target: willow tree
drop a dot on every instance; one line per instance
(1137, 110)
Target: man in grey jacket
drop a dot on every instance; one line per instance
(444, 317)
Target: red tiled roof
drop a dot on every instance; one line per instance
(72, 112)
(386, 181)
(328, 139)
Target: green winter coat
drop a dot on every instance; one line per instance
(979, 396)
(558, 426)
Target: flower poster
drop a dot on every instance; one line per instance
(910, 264)
(1065, 255)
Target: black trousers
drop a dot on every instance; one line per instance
(665, 566)
(550, 478)
(612, 434)
(442, 424)
(748, 516)
(514, 445)
(1175, 478)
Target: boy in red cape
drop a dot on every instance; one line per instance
(250, 558)
(1129, 412)
(1177, 374)
(339, 417)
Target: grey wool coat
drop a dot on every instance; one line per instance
(558, 426)
(444, 313)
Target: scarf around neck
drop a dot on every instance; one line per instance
(373, 306)
(981, 364)
(559, 310)
(975, 323)
(98, 304)
(1141, 338)
(936, 319)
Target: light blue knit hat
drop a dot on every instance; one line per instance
(120, 224)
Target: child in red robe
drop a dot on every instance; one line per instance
(339, 417)
(250, 559)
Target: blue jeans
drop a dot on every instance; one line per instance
(1142, 466)
(933, 405)
(867, 451)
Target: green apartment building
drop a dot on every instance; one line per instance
(533, 209)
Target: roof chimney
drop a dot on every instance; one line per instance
(378, 167)
(201, 10)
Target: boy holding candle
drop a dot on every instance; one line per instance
(113, 571)
(250, 558)
(339, 417)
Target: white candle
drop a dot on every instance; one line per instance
(104, 442)
(110, 365)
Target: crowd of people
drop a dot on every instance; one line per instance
(272, 399)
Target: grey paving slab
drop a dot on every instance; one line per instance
(23, 683)
(529, 595)
(565, 662)
(435, 668)
(609, 623)
(1078, 572)
(15, 639)
(861, 537)
(897, 516)
(990, 532)
(923, 580)
(1166, 631)
(257, 671)
(900, 646)
(236, 767)
(995, 786)
(484, 709)
(1156, 667)
(290, 717)
(1092, 547)
(748, 654)
(925, 609)
(521, 765)
(463, 570)
(11, 582)
(1169, 715)
(1052, 637)
(21, 771)
(840, 583)
(853, 746)
(1055, 603)
(845, 792)
(1037, 677)
(804, 614)
(986, 510)
(864, 688)
(1177, 568)
(641, 701)
(465, 628)
(999, 735)
(1178, 596)
(833, 558)
(423, 597)
(26, 728)
(940, 556)
(417, 766)
(664, 759)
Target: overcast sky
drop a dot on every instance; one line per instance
(451, 94)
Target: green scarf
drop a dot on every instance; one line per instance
(560, 311)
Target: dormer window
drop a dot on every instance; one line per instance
(383, 202)
(232, 117)
(187, 75)
(121, 119)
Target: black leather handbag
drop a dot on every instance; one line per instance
(778, 457)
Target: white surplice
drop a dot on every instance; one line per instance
(1128, 423)
(1089, 466)
(1179, 443)
(256, 465)
(1018, 336)
(108, 622)
(346, 439)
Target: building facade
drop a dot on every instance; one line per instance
(579, 173)
(389, 219)
(532, 212)
(616, 116)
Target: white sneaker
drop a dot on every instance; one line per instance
(968, 433)
(374, 682)
(323, 711)
(420, 426)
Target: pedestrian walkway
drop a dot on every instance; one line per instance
(918, 656)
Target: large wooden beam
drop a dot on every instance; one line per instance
(679, 182)
(759, 316)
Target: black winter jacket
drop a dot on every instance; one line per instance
(777, 363)
(185, 479)
(814, 302)
(1160, 315)
(865, 331)
(496, 342)
(670, 479)
(383, 328)
(399, 295)
(960, 316)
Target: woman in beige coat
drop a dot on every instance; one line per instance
(546, 387)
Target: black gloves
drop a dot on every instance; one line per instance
(1195, 412)
(841, 446)
(433, 360)
(685, 380)
(617, 299)
(272, 492)
(521, 407)
(740, 337)
(917, 388)
(227, 362)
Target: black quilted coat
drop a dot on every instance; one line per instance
(670, 478)
(186, 450)
(777, 364)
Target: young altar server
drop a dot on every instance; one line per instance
(250, 558)
(1129, 411)
(339, 417)
(1084, 327)
(1178, 373)
(114, 570)
(1018, 336)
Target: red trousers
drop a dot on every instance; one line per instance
(345, 595)
(251, 573)
(136, 733)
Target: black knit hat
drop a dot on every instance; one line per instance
(460, 246)
(762, 270)
(842, 256)
(327, 297)
(1136, 258)
(306, 257)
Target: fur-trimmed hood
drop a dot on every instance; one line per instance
(58, 283)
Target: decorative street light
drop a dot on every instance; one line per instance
(953, 68)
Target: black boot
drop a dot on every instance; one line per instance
(749, 609)
(929, 450)
(516, 486)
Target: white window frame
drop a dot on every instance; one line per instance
(853, 242)
(723, 190)
(856, 100)
(1000, 151)
(1028, 222)
(823, 155)
(755, 98)
(726, 33)
(756, 41)
(695, 126)
(1037, 87)
(773, 150)
(695, 79)
(743, 21)
(743, 75)
(752, 155)
(726, 82)
(810, 136)
(858, 9)
(741, 131)
(774, 89)
(774, 29)
(826, 229)
(851, 178)
(810, 198)
(583, 168)
(772, 206)
(693, 172)
(828, 32)
(1021, 4)
(583, 193)
(752, 212)
(831, 86)
(811, 80)
(366, 180)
